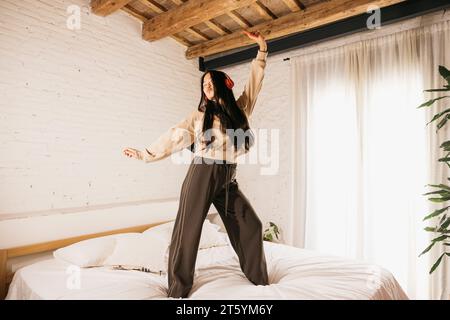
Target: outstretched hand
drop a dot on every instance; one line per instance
(132, 153)
(258, 38)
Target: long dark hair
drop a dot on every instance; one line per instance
(225, 107)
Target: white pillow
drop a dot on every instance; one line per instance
(144, 252)
(90, 252)
(149, 251)
(134, 250)
(211, 236)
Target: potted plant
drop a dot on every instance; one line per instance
(271, 232)
(442, 194)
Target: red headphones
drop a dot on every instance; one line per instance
(228, 82)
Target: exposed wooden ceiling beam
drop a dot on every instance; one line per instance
(158, 8)
(132, 12)
(187, 15)
(294, 5)
(106, 7)
(313, 16)
(263, 11)
(213, 25)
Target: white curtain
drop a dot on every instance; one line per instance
(364, 153)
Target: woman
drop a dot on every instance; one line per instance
(217, 132)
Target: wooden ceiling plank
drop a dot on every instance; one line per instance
(313, 16)
(197, 33)
(132, 12)
(182, 40)
(217, 27)
(155, 6)
(294, 5)
(106, 7)
(213, 25)
(158, 8)
(188, 14)
(263, 11)
(240, 20)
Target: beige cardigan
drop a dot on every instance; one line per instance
(189, 130)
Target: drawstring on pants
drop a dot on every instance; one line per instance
(227, 183)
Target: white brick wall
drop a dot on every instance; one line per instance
(71, 100)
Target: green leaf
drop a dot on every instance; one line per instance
(436, 263)
(438, 90)
(446, 159)
(445, 73)
(446, 244)
(442, 186)
(430, 229)
(445, 144)
(438, 115)
(444, 225)
(431, 101)
(440, 238)
(436, 213)
(438, 200)
(442, 122)
(442, 192)
(443, 219)
(427, 249)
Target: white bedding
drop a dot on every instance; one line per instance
(293, 274)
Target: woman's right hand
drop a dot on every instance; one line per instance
(258, 38)
(132, 153)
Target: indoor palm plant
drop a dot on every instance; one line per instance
(442, 194)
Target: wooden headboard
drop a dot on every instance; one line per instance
(5, 254)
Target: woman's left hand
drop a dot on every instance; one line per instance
(258, 38)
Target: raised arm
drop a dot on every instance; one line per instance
(247, 99)
(176, 138)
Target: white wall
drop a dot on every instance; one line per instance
(71, 101)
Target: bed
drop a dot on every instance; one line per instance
(294, 273)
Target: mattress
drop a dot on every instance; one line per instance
(294, 273)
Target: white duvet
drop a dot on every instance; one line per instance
(293, 274)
